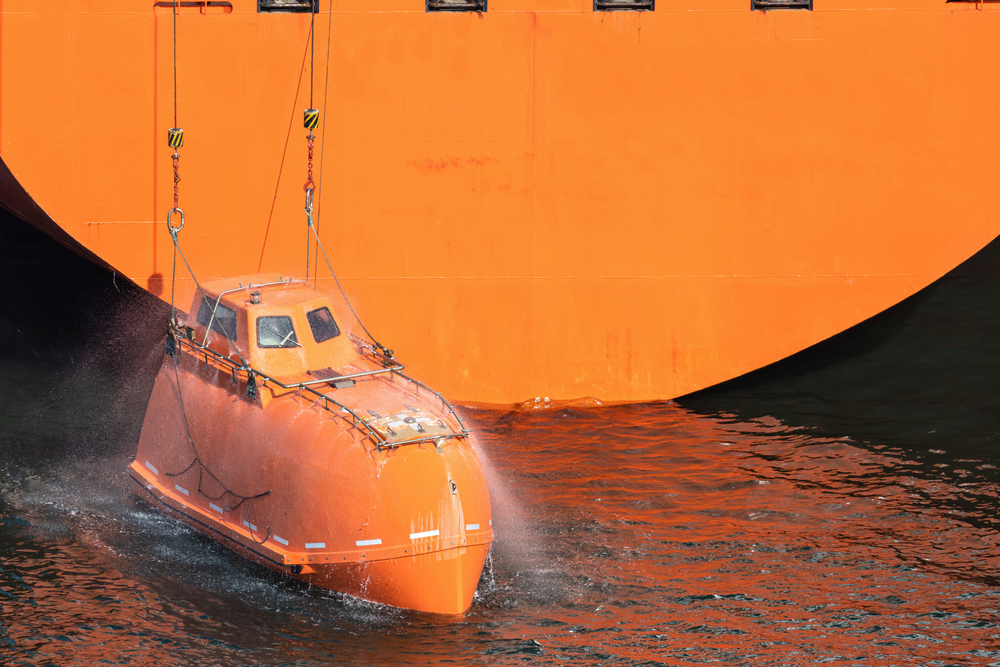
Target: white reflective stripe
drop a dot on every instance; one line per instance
(472, 526)
(152, 467)
(249, 525)
(215, 507)
(396, 424)
(315, 545)
(278, 539)
(426, 533)
(367, 543)
(491, 522)
(182, 489)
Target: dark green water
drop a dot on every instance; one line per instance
(838, 507)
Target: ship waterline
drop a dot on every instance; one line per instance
(539, 200)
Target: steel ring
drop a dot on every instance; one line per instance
(170, 225)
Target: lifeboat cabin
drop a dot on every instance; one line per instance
(277, 430)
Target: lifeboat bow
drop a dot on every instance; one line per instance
(275, 430)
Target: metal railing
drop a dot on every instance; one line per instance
(218, 301)
(444, 404)
(354, 419)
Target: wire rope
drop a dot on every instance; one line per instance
(322, 138)
(175, 138)
(176, 2)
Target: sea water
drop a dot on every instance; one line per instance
(643, 534)
(839, 507)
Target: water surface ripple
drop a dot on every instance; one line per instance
(629, 535)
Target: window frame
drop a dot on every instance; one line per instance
(780, 5)
(264, 8)
(205, 311)
(624, 6)
(295, 343)
(432, 6)
(333, 320)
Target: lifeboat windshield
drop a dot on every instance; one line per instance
(276, 331)
(279, 326)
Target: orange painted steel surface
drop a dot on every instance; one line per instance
(325, 490)
(541, 199)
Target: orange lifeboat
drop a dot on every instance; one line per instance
(277, 432)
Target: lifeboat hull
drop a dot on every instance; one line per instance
(291, 485)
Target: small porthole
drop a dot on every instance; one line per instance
(456, 5)
(623, 5)
(287, 6)
(767, 5)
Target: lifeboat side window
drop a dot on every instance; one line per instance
(276, 331)
(323, 326)
(224, 321)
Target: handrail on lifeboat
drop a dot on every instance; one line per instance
(367, 348)
(218, 301)
(441, 398)
(184, 337)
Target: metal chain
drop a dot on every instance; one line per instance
(309, 188)
(177, 176)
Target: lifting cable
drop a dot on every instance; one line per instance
(175, 139)
(311, 122)
(322, 139)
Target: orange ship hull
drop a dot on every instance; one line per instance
(630, 205)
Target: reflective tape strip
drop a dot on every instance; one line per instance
(279, 539)
(426, 533)
(472, 526)
(249, 525)
(215, 507)
(368, 543)
(152, 467)
(315, 545)
(182, 489)
(491, 522)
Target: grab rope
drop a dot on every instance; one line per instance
(172, 351)
(202, 468)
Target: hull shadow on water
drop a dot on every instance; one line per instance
(839, 505)
(917, 382)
